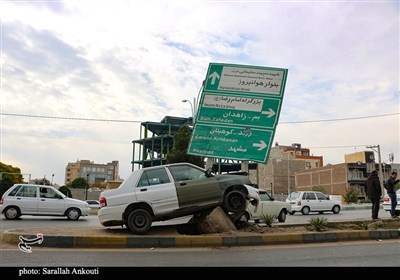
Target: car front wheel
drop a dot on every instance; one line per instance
(282, 216)
(12, 213)
(139, 221)
(73, 214)
(235, 202)
(336, 209)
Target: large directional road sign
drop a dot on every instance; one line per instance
(238, 112)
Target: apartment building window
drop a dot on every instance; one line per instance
(355, 174)
(308, 165)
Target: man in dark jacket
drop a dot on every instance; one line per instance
(374, 192)
(391, 191)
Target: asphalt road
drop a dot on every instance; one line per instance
(92, 221)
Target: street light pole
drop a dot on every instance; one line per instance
(191, 106)
(288, 175)
(87, 185)
(52, 176)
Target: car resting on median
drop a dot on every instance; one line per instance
(169, 191)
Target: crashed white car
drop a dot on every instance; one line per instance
(165, 192)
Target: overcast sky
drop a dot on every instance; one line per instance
(135, 61)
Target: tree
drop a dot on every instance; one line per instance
(41, 181)
(79, 183)
(10, 176)
(179, 150)
(65, 190)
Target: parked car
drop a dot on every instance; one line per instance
(165, 192)
(267, 206)
(93, 204)
(40, 200)
(311, 201)
(387, 203)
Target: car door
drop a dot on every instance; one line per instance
(324, 203)
(50, 202)
(311, 201)
(27, 199)
(157, 188)
(268, 206)
(194, 188)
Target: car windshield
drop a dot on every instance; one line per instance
(294, 195)
(264, 196)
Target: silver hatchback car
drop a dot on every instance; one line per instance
(311, 201)
(40, 200)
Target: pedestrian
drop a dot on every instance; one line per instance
(374, 192)
(391, 191)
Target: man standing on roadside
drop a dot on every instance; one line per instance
(391, 191)
(374, 192)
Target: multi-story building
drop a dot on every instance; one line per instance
(278, 175)
(337, 179)
(94, 173)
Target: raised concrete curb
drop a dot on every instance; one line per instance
(60, 241)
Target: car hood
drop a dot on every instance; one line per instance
(75, 201)
(232, 179)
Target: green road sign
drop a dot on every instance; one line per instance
(238, 112)
(231, 142)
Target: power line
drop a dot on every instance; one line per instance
(69, 118)
(133, 121)
(343, 119)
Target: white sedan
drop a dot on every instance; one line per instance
(267, 206)
(40, 200)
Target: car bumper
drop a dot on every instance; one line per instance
(84, 211)
(111, 215)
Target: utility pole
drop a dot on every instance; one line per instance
(372, 147)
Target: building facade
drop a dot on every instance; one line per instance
(94, 173)
(277, 176)
(337, 179)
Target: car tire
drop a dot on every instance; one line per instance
(73, 214)
(12, 213)
(336, 209)
(282, 216)
(139, 221)
(235, 202)
(305, 210)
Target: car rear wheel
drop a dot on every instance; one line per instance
(139, 221)
(282, 216)
(235, 202)
(12, 213)
(305, 210)
(336, 209)
(73, 214)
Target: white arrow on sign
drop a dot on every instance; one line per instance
(260, 145)
(270, 113)
(213, 76)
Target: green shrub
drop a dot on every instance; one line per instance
(268, 219)
(351, 196)
(318, 224)
(363, 225)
